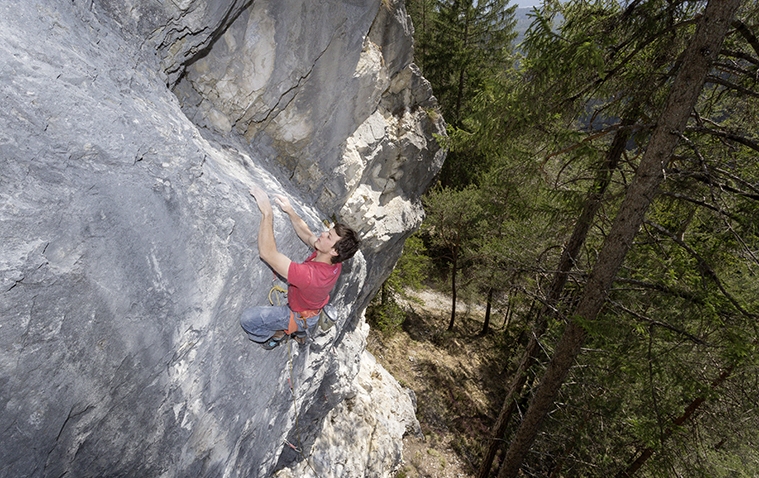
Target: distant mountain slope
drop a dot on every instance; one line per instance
(524, 19)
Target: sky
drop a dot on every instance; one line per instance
(525, 3)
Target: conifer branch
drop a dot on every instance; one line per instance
(704, 268)
(658, 323)
(704, 204)
(683, 294)
(741, 55)
(747, 34)
(729, 84)
(726, 135)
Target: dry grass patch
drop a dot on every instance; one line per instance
(459, 379)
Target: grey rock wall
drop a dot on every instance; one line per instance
(362, 436)
(345, 117)
(130, 133)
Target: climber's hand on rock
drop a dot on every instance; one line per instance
(283, 203)
(262, 199)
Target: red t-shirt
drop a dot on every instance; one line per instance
(310, 283)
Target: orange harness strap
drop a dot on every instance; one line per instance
(306, 314)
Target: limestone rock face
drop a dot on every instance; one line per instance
(130, 134)
(362, 436)
(347, 118)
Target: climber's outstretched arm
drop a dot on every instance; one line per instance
(267, 247)
(300, 226)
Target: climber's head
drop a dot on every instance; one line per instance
(346, 245)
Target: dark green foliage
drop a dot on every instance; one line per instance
(464, 42)
(461, 45)
(682, 312)
(680, 327)
(453, 224)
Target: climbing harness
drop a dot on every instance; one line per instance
(278, 297)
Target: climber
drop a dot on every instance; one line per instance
(309, 282)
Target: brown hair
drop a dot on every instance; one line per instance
(348, 244)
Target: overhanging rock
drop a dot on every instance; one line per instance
(128, 236)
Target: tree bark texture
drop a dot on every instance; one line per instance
(696, 62)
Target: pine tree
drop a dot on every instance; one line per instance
(699, 55)
(460, 45)
(451, 224)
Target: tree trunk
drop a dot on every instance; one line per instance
(486, 325)
(454, 268)
(696, 61)
(566, 264)
(462, 68)
(509, 308)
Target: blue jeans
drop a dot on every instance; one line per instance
(261, 322)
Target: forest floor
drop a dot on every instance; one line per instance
(458, 377)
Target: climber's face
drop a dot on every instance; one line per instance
(326, 242)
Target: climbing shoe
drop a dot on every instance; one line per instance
(299, 336)
(273, 342)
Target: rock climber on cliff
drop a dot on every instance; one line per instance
(309, 282)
